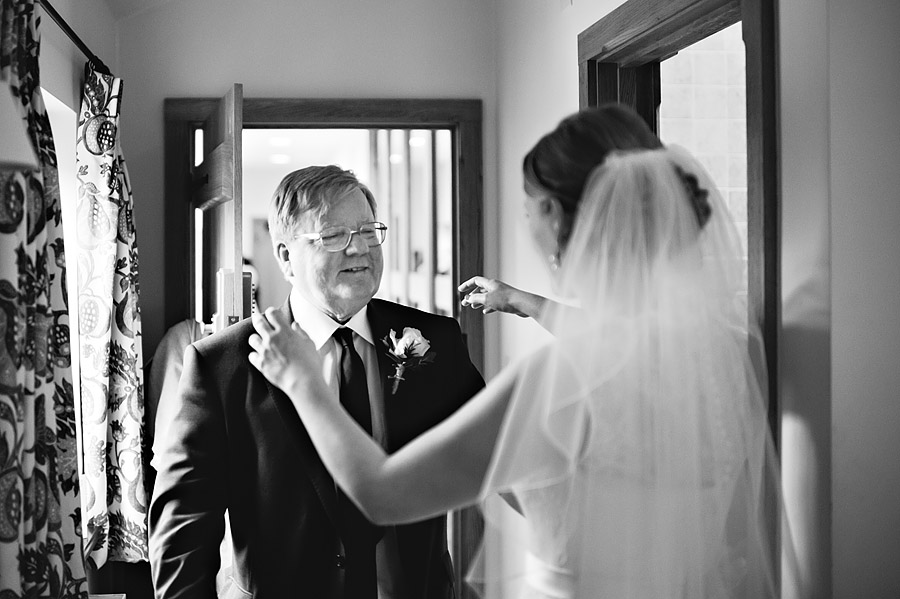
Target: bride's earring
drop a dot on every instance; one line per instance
(554, 257)
(554, 260)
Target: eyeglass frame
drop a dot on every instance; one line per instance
(379, 227)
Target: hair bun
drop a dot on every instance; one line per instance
(698, 196)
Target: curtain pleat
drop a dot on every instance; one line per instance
(40, 517)
(112, 406)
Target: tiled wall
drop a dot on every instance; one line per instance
(704, 109)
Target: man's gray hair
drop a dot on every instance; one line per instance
(307, 192)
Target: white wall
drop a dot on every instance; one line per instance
(863, 83)
(537, 66)
(841, 289)
(306, 48)
(61, 62)
(805, 360)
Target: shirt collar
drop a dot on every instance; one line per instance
(320, 327)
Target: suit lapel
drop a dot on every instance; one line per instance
(380, 323)
(380, 329)
(312, 464)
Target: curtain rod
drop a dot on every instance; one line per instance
(93, 58)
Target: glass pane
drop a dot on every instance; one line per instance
(198, 147)
(704, 110)
(386, 208)
(444, 288)
(421, 178)
(398, 168)
(198, 265)
(414, 199)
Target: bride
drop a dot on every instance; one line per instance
(635, 444)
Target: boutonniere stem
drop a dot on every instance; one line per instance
(397, 377)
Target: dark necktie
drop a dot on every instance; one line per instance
(354, 387)
(360, 535)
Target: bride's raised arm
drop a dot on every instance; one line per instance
(441, 470)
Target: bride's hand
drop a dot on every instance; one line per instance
(282, 352)
(493, 295)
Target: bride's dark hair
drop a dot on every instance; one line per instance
(560, 162)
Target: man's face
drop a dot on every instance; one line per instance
(337, 283)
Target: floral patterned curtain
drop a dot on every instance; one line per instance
(109, 322)
(40, 544)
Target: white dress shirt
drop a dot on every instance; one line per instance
(320, 328)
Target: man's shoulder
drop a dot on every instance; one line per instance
(230, 338)
(407, 314)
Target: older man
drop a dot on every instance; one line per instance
(229, 440)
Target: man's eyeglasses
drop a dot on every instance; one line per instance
(336, 239)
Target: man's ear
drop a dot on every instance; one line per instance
(283, 258)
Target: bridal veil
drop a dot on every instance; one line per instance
(637, 443)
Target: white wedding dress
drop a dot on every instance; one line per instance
(637, 442)
(617, 524)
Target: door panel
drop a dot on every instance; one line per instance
(218, 295)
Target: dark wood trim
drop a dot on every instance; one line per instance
(638, 87)
(468, 226)
(643, 31)
(647, 91)
(640, 33)
(588, 93)
(178, 142)
(763, 175)
(383, 113)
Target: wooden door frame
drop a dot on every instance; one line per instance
(618, 60)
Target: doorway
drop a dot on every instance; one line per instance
(459, 120)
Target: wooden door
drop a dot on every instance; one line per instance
(216, 254)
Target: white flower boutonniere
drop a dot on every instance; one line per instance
(409, 351)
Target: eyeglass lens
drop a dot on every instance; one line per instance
(338, 238)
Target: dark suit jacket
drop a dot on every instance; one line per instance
(229, 439)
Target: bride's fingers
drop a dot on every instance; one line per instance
(255, 341)
(475, 300)
(465, 285)
(472, 283)
(261, 324)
